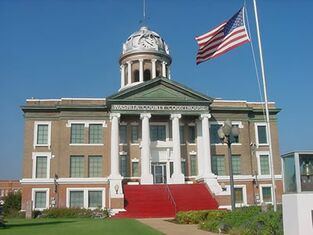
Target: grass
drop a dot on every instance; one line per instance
(76, 227)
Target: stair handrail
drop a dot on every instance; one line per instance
(170, 196)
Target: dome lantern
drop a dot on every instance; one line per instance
(145, 56)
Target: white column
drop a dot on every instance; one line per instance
(207, 171)
(146, 176)
(177, 177)
(122, 68)
(115, 178)
(140, 70)
(129, 72)
(199, 149)
(153, 68)
(164, 69)
(169, 73)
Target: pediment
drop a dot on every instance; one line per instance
(160, 90)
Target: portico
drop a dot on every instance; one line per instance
(164, 148)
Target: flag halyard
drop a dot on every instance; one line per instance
(223, 38)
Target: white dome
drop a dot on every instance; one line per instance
(145, 40)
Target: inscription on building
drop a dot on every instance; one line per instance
(185, 108)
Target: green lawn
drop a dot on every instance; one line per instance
(76, 227)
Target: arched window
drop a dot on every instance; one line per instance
(147, 75)
(136, 75)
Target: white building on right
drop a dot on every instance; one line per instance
(298, 193)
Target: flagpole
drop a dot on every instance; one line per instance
(266, 108)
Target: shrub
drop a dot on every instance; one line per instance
(12, 204)
(74, 213)
(196, 217)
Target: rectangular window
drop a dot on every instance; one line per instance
(192, 134)
(41, 167)
(171, 168)
(218, 164)
(134, 134)
(158, 132)
(123, 134)
(135, 169)
(238, 195)
(267, 194)
(183, 167)
(232, 138)
(213, 133)
(94, 166)
(236, 164)
(123, 165)
(77, 166)
(262, 134)
(77, 133)
(77, 199)
(264, 164)
(193, 165)
(95, 199)
(182, 134)
(42, 134)
(40, 199)
(95, 133)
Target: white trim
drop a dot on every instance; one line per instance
(86, 122)
(244, 195)
(135, 160)
(47, 191)
(34, 159)
(85, 193)
(258, 153)
(36, 123)
(247, 177)
(94, 180)
(167, 136)
(40, 181)
(102, 99)
(37, 181)
(261, 186)
(257, 134)
(86, 145)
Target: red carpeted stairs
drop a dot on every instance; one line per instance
(148, 201)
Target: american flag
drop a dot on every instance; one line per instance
(226, 36)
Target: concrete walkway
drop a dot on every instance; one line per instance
(169, 228)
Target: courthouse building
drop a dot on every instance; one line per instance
(81, 152)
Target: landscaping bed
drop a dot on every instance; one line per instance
(243, 221)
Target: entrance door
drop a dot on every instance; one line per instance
(159, 173)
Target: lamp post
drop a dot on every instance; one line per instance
(224, 133)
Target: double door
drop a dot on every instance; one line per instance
(159, 172)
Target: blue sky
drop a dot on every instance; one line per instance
(54, 49)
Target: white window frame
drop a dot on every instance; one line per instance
(258, 153)
(240, 126)
(244, 194)
(193, 154)
(135, 160)
(256, 125)
(132, 125)
(85, 193)
(196, 132)
(261, 186)
(34, 159)
(34, 190)
(86, 124)
(167, 136)
(36, 123)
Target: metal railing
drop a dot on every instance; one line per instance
(170, 197)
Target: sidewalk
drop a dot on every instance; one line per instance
(170, 228)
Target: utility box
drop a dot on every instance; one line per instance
(298, 193)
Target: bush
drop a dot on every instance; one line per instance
(196, 217)
(74, 213)
(12, 204)
(243, 221)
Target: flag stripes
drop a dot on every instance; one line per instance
(222, 38)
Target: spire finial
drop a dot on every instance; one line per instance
(143, 21)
